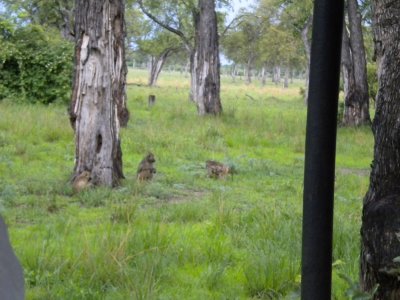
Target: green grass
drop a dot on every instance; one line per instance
(183, 235)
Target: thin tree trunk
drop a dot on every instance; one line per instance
(307, 47)
(187, 67)
(361, 109)
(351, 105)
(286, 83)
(347, 64)
(98, 105)
(381, 211)
(233, 72)
(274, 76)
(193, 75)
(248, 70)
(206, 67)
(264, 75)
(277, 75)
(157, 64)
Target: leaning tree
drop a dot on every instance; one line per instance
(380, 232)
(98, 106)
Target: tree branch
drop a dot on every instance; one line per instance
(229, 26)
(162, 24)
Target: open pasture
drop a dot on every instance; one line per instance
(182, 235)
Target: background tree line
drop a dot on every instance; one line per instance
(270, 39)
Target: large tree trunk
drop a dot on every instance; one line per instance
(98, 105)
(381, 211)
(360, 101)
(206, 65)
(157, 63)
(307, 46)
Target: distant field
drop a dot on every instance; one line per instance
(183, 235)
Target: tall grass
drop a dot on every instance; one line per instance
(183, 235)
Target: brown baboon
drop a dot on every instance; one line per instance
(81, 182)
(146, 168)
(217, 170)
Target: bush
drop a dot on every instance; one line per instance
(35, 64)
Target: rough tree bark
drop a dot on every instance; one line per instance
(381, 210)
(357, 112)
(98, 106)
(206, 60)
(348, 81)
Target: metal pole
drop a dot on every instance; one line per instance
(320, 154)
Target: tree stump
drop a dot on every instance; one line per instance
(152, 100)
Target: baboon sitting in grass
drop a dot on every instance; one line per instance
(217, 170)
(81, 182)
(146, 168)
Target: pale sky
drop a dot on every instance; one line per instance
(238, 4)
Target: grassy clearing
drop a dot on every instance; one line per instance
(182, 236)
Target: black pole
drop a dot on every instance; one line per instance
(320, 154)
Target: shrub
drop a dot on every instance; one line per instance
(35, 64)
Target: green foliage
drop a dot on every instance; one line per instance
(44, 12)
(35, 64)
(269, 35)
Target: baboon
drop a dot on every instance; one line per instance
(81, 182)
(217, 170)
(146, 168)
